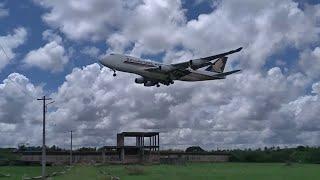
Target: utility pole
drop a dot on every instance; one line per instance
(71, 148)
(44, 136)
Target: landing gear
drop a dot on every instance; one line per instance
(168, 82)
(114, 73)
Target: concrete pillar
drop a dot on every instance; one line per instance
(155, 142)
(158, 143)
(122, 155)
(137, 141)
(103, 156)
(143, 148)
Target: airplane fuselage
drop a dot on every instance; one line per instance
(135, 65)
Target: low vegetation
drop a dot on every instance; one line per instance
(300, 154)
(226, 171)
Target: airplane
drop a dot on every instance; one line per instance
(155, 73)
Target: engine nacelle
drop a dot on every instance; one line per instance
(195, 64)
(139, 80)
(149, 83)
(165, 68)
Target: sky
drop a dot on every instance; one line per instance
(51, 47)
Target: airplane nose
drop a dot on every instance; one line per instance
(103, 61)
(106, 61)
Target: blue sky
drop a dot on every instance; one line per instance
(55, 45)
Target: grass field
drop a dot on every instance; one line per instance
(221, 171)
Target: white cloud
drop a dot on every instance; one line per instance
(118, 43)
(85, 19)
(51, 56)
(310, 62)
(91, 51)
(9, 43)
(50, 35)
(20, 112)
(316, 88)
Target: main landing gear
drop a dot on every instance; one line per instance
(168, 82)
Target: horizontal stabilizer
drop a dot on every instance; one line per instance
(227, 73)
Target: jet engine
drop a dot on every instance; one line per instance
(195, 64)
(139, 80)
(165, 68)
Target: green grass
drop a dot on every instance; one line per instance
(17, 172)
(220, 171)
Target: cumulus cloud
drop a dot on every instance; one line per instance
(9, 43)
(91, 51)
(309, 62)
(20, 113)
(51, 56)
(86, 19)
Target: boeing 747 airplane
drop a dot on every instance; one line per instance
(153, 73)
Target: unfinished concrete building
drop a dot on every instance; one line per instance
(146, 149)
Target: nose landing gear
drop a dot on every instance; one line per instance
(114, 73)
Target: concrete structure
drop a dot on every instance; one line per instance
(142, 152)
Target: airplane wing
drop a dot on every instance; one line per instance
(182, 69)
(202, 62)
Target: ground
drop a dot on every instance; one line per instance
(221, 171)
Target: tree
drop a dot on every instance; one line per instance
(194, 149)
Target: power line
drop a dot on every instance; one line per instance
(4, 52)
(12, 80)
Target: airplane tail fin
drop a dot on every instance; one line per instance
(218, 65)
